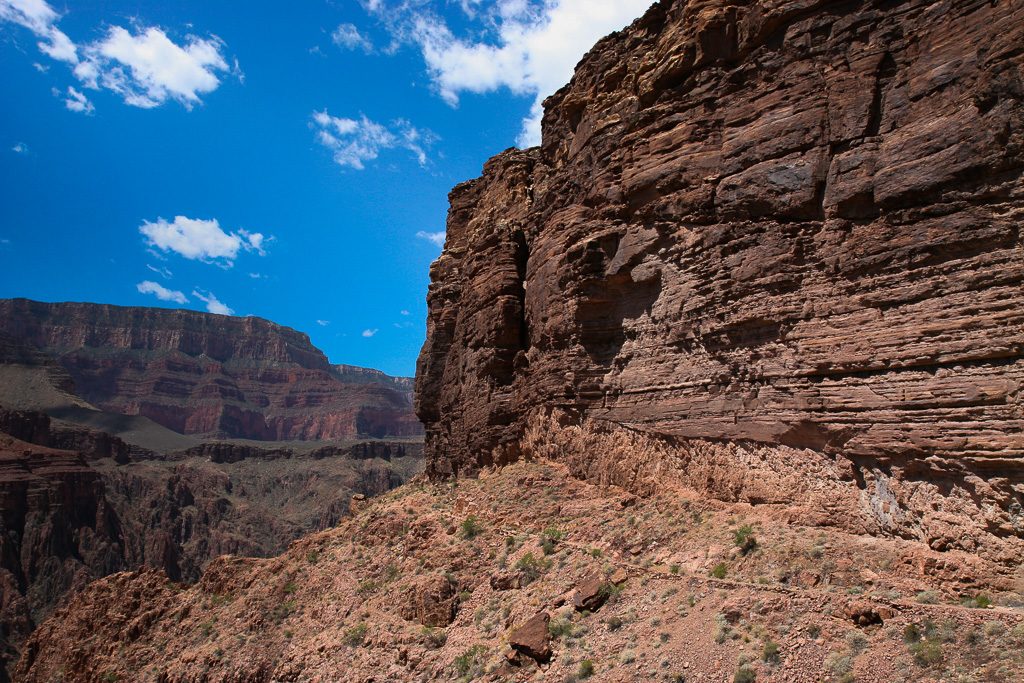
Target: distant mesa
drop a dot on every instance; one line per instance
(210, 376)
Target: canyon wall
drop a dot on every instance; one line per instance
(771, 252)
(212, 375)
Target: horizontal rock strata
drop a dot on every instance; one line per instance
(769, 250)
(210, 375)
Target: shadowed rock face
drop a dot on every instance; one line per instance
(769, 251)
(212, 375)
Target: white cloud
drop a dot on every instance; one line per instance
(355, 142)
(162, 272)
(149, 68)
(370, 333)
(145, 69)
(161, 292)
(437, 238)
(348, 37)
(20, 148)
(405, 312)
(256, 276)
(212, 305)
(527, 46)
(323, 323)
(200, 240)
(38, 17)
(76, 101)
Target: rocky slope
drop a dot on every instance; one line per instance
(211, 375)
(768, 250)
(85, 492)
(97, 505)
(530, 574)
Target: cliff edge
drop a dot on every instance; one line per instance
(771, 252)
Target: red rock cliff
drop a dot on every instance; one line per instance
(768, 250)
(214, 375)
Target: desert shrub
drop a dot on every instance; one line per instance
(928, 597)
(719, 571)
(813, 630)
(471, 527)
(586, 669)
(610, 592)
(468, 663)
(435, 636)
(596, 552)
(744, 674)
(722, 628)
(355, 635)
(839, 662)
(313, 556)
(743, 538)
(994, 628)
(673, 568)
(856, 641)
(281, 612)
(911, 634)
(981, 601)
(531, 567)
(770, 651)
(614, 623)
(627, 657)
(560, 627)
(554, 533)
(290, 587)
(926, 653)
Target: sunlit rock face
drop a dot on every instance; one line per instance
(212, 375)
(768, 250)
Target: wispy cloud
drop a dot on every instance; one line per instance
(370, 333)
(348, 37)
(162, 272)
(323, 323)
(143, 66)
(20, 148)
(405, 312)
(212, 304)
(75, 101)
(354, 142)
(436, 238)
(201, 240)
(529, 47)
(161, 292)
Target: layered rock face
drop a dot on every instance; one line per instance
(769, 251)
(211, 375)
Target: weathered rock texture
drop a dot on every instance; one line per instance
(211, 375)
(771, 250)
(76, 506)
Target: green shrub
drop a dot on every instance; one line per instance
(982, 601)
(471, 527)
(281, 612)
(770, 651)
(313, 557)
(554, 533)
(743, 538)
(435, 636)
(354, 636)
(928, 597)
(586, 669)
(469, 661)
(531, 567)
(719, 571)
(926, 653)
(745, 674)
(290, 587)
(560, 627)
(911, 634)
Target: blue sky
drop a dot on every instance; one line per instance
(259, 158)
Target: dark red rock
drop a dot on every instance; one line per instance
(532, 638)
(767, 251)
(429, 600)
(591, 593)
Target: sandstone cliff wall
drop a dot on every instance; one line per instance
(768, 250)
(212, 375)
